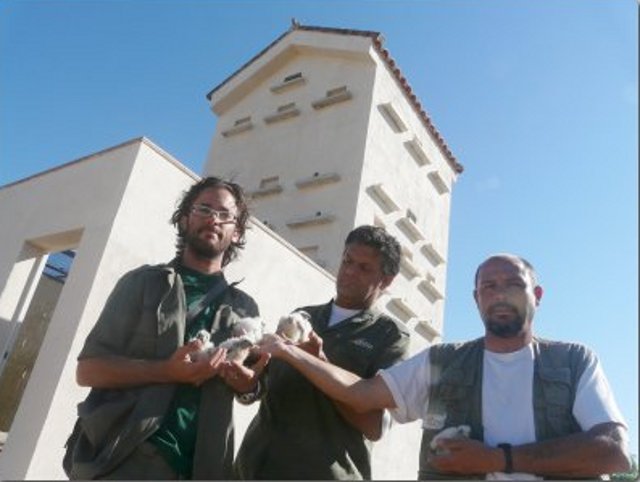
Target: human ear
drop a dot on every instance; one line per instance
(182, 224)
(235, 237)
(386, 281)
(538, 291)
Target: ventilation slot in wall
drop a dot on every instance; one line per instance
(240, 125)
(379, 194)
(285, 111)
(318, 179)
(391, 115)
(334, 96)
(414, 147)
(288, 82)
(311, 220)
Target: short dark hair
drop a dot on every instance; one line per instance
(242, 217)
(528, 267)
(378, 238)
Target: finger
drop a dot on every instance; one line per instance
(316, 340)
(217, 359)
(194, 344)
(259, 365)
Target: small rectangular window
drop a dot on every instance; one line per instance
(337, 91)
(291, 77)
(244, 120)
(286, 107)
(268, 182)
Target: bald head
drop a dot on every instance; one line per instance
(507, 295)
(515, 259)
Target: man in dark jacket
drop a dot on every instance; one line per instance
(155, 410)
(299, 433)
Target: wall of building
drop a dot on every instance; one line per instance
(316, 142)
(354, 146)
(121, 201)
(391, 166)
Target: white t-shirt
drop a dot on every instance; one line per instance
(338, 314)
(507, 396)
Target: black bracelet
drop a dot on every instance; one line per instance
(250, 397)
(508, 459)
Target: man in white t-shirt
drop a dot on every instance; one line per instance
(529, 407)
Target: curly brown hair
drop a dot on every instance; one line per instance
(242, 217)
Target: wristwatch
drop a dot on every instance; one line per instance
(508, 458)
(250, 397)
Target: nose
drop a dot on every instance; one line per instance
(348, 269)
(500, 293)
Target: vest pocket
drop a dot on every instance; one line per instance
(556, 399)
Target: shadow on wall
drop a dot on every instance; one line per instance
(20, 355)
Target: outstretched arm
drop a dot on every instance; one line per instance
(600, 450)
(120, 372)
(368, 423)
(359, 394)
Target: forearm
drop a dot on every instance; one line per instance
(601, 450)
(360, 395)
(368, 423)
(120, 372)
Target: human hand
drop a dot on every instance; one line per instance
(272, 344)
(466, 457)
(182, 367)
(313, 346)
(243, 379)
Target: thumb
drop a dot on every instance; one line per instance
(262, 362)
(315, 339)
(193, 345)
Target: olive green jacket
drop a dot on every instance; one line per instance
(298, 433)
(144, 318)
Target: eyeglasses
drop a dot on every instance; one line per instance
(204, 211)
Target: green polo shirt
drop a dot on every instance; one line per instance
(176, 437)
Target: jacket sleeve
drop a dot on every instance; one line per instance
(109, 335)
(395, 347)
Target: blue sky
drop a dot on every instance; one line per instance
(538, 99)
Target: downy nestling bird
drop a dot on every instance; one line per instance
(461, 431)
(246, 332)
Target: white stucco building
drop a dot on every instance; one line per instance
(323, 129)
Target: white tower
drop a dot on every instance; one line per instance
(324, 131)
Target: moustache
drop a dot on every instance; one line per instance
(502, 305)
(212, 229)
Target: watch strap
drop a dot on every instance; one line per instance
(252, 396)
(508, 458)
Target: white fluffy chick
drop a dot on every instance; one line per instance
(295, 327)
(207, 345)
(245, 332)
(461, 431)
(237, 347)
(250, 327)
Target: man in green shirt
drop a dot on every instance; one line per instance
(154, 411)
(299, 433)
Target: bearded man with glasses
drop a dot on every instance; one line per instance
(154, 410)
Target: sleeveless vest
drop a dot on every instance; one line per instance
(456, 391)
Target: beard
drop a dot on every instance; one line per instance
(504, 328)
(201, 248)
